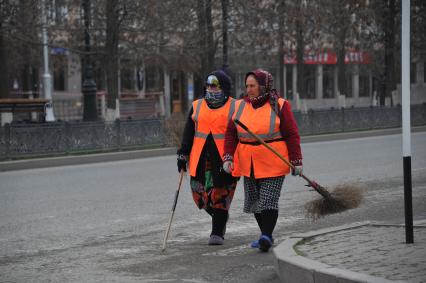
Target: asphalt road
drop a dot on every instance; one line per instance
(105, 222)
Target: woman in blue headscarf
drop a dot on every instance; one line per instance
(202, 148)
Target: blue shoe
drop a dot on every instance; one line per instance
(255, 244)
(265, 243)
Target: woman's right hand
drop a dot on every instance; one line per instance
(181, 162)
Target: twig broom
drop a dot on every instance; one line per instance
(344, 197)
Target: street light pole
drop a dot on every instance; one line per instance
(47, 78)
(406, 123)
(90, 112)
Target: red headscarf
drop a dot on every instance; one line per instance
(265, 81)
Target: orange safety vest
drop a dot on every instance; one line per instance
(264, 122)
(208, 121)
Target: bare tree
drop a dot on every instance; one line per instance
(208, 44)
(342, 23)
(385, 19)
(386, 13)
(18, 44)
(4, 78)
(28, 16)
(281, 39)
(225, 4)
(300, 48)
(114, 16)
(418, 28)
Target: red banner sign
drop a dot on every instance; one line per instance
(328, 57)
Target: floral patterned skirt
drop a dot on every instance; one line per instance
(207, 196)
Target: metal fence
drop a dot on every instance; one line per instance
(356, 119)
(26, 140)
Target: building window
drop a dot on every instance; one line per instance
(59, 66)
(413, 73)
(289, 81)
(100, 77)
(348, 77)
(240, 85)
(58, 11)
(127, 78)
(154, 79)
(364, 82)
(310, 81)
(364, 86)
(328, 81)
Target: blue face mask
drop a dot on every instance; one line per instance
(215, 99)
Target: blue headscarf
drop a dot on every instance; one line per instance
(222, 82)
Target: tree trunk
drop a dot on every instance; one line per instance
(225, 4)
(211, 47)
(206, 43)
(341, 66)
(25, 48)
(281, 13)
(300, 50)
(202, 43)
(4, 71)
(389, 70)
(342, 87)
(111, 46)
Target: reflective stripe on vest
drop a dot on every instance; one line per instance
(202, 135)
(269, 136)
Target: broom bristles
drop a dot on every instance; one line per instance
(343, 197)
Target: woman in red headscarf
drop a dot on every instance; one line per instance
(270, 117)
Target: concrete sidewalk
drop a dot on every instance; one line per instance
(360, 252)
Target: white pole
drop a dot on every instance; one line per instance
(406, 135)
(47, 78)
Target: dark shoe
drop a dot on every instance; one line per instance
(215, 240)
(265, 243)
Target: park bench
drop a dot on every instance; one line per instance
(17, 107)
(138, 108)
(13, 105)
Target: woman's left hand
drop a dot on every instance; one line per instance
(297, 170)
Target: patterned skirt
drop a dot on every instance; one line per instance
(207, 196)
(262, 194)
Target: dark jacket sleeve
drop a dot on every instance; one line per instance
(188, 135)
(231, 139)
(290, 133)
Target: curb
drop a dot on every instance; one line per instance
(83, 159)
(294, 268)
(135, 154)
(358, 134)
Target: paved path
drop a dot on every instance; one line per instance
(376, 250)
(104, 222)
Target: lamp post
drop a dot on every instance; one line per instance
(406, 122)
(90, 112)
(47, 78)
